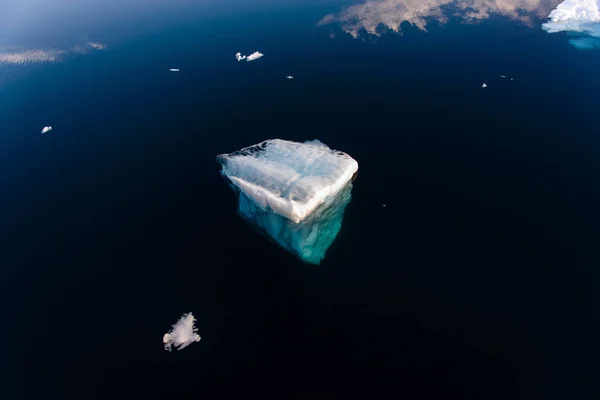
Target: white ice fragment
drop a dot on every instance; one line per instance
(289, 77)
(183, 333)
(484, 85)
(254, 56)
(174, 69)
(46, 129)
(503, 76)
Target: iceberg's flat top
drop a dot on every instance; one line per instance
(575, 15)
(290, 178)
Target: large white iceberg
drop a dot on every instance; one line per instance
(579, 17)
(295, 193)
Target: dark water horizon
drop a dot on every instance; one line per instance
(477, 279)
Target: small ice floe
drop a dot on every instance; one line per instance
(289, 77)
(512, 79)
(503, 76)
(46, 129)
(484, 85)
(174, 69)
(254, 56)
(383, 205)
(183, 333)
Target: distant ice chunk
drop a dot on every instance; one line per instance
(294, 193)
(183, 333)
(174, 69)
(503, 76)
(46, 129)
(484, 85)
(254, 56)
(577, 16)
(289, 77)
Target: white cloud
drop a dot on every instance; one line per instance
(390, 14)
(31, 56)
(183, 333)
(97, 45)
(35, 56)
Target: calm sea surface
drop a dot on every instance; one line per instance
(478, 279)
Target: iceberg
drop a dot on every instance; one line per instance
(183, 333)
(46, 129)
(293, 193)
(580, 17)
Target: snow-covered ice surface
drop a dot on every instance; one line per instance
(295, 193)
(290, 178)
(183, 333)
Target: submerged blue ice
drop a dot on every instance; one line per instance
(294, 193)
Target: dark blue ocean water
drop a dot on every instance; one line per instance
(477, 280)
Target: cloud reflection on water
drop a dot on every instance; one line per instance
(372, 15)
